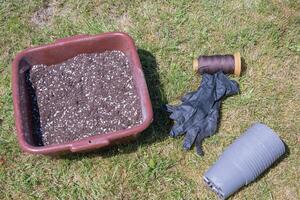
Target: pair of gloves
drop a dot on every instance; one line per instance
(197, 115)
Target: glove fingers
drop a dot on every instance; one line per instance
(183, 113)
(211, 121)
(177, 114)
(169, 108)
(233, 88)
(177, 130)
(190, 138)
(198, 144)
(187, 96)
(225, 86)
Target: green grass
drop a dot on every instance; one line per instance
(169, 35)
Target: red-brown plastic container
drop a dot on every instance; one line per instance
(60, 51)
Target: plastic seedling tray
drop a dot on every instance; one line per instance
(58, 52)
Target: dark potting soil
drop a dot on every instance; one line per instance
(87, 95)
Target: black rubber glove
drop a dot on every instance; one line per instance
(197, 116)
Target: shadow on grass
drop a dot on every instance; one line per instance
(244, 66)
(160, 126)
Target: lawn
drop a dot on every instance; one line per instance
(169, 34)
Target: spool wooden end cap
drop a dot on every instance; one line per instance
(195, 65)
(237, 64)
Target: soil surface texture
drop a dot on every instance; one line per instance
(87, 95)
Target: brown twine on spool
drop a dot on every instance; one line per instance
(229, 64)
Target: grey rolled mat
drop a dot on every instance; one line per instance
(244, 160)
